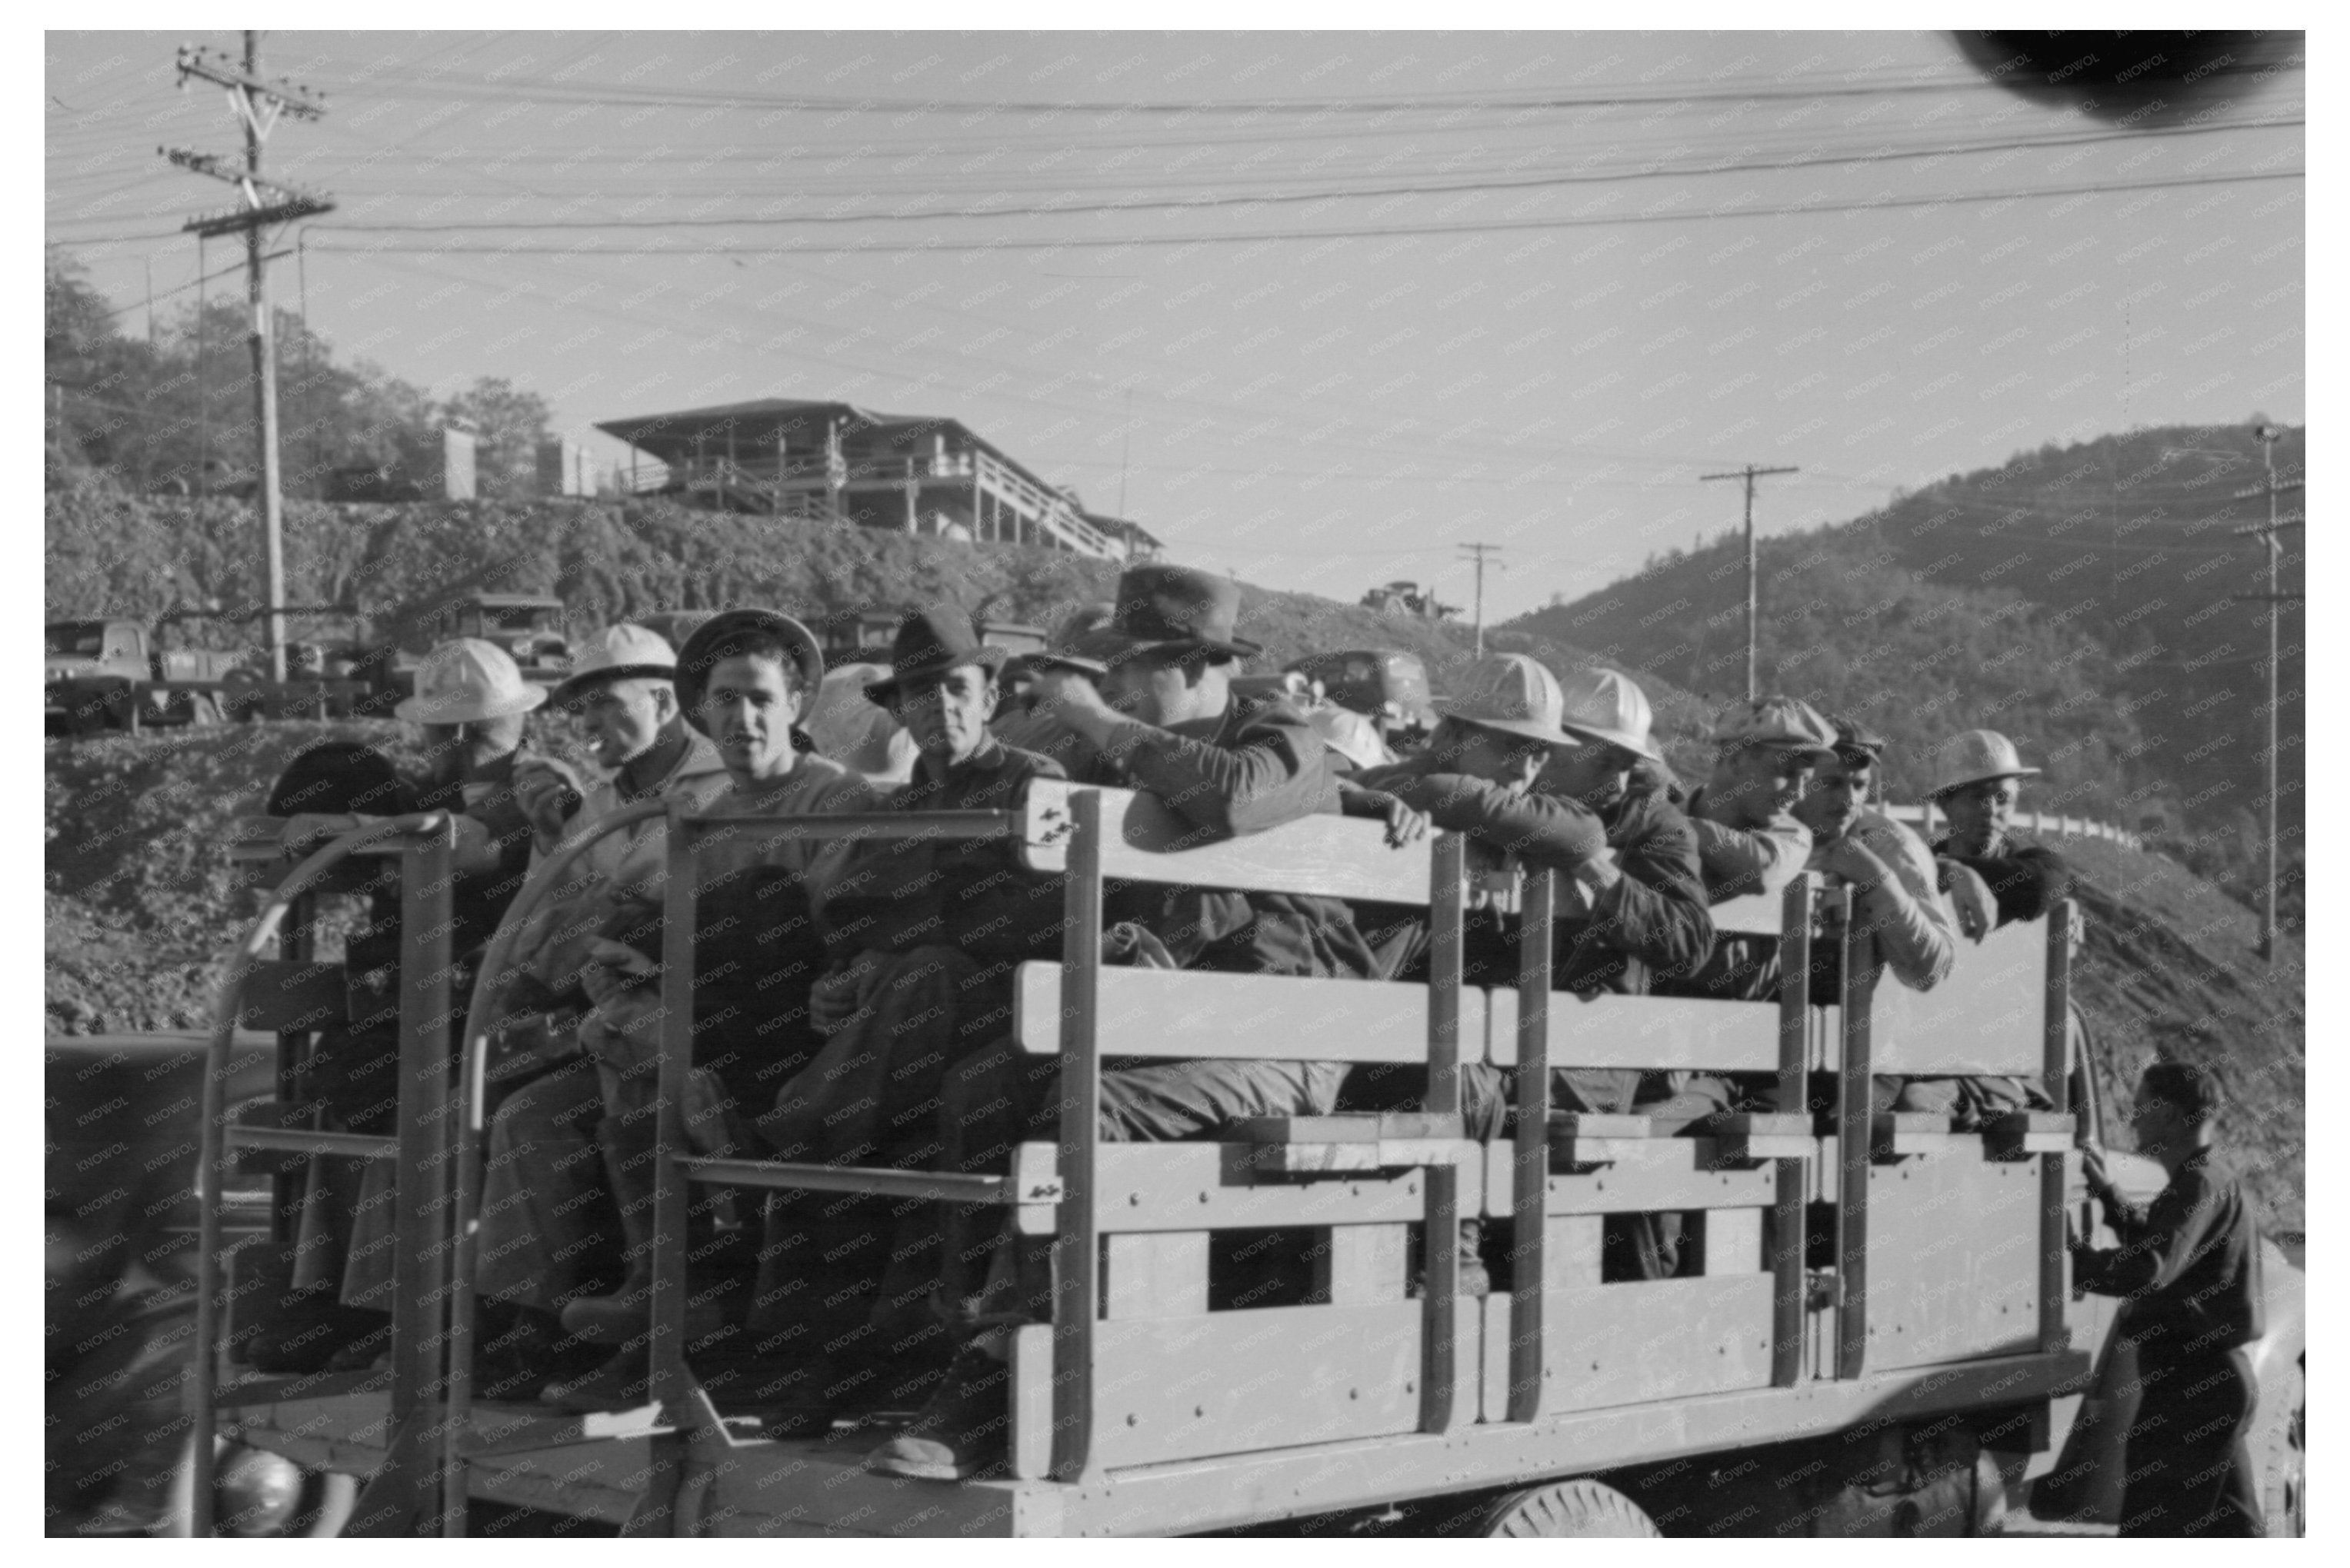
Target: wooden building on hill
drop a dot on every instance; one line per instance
(835, 462)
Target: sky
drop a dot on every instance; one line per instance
(1315, 309)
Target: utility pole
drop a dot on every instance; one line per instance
(1750, 474)
(2268, 435)
(1478, 553)
(257, 104)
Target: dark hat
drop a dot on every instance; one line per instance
(1163, 607)
(928, 643)
(1856, 739)
(696, 657)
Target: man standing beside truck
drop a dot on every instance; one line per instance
(2188, 1269)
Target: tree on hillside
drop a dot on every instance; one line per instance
(511, 423)
(90, 368)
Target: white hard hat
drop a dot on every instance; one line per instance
(618, 651)
(466, 680)
(1975, 756)
(1512, 693)
(1604, 705)
(1350, 734)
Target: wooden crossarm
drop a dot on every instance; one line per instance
(1187, 1014)
(1610, 1031)
(1144, 841)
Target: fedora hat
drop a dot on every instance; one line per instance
(1604, 705)
(465, 680)
(699, 654)
(928, 643)
(1975, 756)
(1512, 693)
(1162, 607)
(618, 653)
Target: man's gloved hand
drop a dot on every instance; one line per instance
(1857, 864)
(840, 995)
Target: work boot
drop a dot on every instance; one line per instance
(964, 1430)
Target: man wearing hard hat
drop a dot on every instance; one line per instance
(1978, 780)
(546, 1234)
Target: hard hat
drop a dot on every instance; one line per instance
(1512, 693)
(1975, 756)
(617, 652)
(1787, 723)
(1604, 705)
(1351, 735)
(465, 680)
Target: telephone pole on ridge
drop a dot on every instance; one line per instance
(257, 104)
(1478, 553)
(1750, 474)
(2268, 436)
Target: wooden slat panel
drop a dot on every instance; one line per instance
(1155, 1274)
(1212, 1187)
(1336, 856)
(1939, 1292)
(1611, 1031)
(1187, 1015)
(1362, 1265)
(1234, 1382)
(1657, 1173)
(1987, 1017)
(1608, 1345)
(1755, 915)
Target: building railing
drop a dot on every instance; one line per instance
(2040, 824)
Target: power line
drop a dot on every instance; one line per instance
(1274, 198)
(1260, 236)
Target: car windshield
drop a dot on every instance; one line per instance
(86, 639)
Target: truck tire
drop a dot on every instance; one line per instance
(1576, 1510)
(2280, 1447)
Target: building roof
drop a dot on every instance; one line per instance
(801, 423)
(1131, 532)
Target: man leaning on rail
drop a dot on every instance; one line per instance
(1150, 695)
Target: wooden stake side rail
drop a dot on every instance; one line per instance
(1131, 1222)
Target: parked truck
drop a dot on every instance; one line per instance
(110, 674)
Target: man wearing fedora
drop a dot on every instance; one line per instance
(1150, 695)
(1978, 780)
(924, 935)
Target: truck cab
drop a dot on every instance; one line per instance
(533, 627)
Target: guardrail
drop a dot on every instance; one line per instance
(2042, 824)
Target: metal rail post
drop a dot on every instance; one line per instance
(1530, 1147)
(2063, 925)
(1854, 1108)
(1787, 1248)
(1076, 1250)
(1440, 1382)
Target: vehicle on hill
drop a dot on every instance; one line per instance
(533, 627)
(335, 667)
(1405, 597)
(1875, 1331)
(112, 673)
(1387, 685)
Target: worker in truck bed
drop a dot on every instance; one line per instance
(2189, 1270)
(1552, 772)
(1978, 781)
(1164, 720)
(924, 937)
(743, 677)
(1750, 841)
(548, 1230)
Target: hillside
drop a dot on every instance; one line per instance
(2078, 598)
